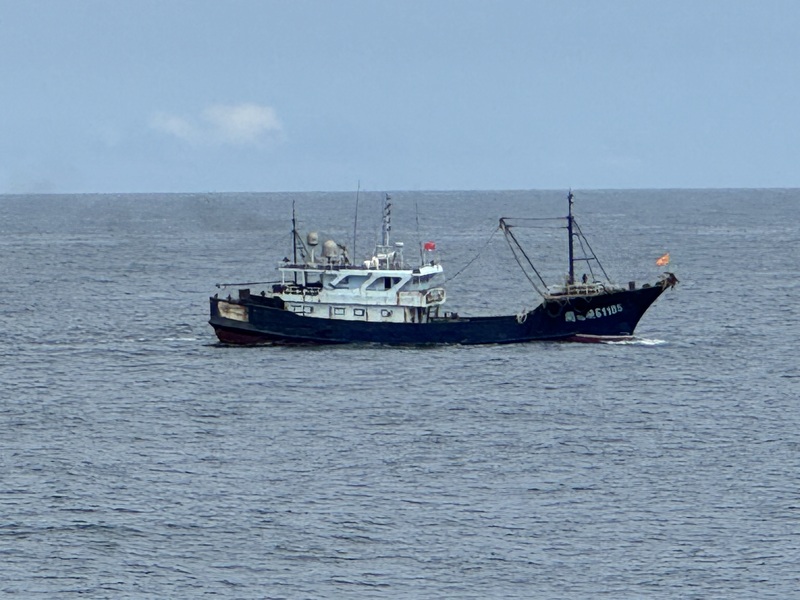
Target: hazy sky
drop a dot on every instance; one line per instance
(294, 95)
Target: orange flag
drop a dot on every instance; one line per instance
(664, 260)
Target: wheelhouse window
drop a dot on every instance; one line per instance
(384, 283)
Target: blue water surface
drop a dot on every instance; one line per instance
(142, 460)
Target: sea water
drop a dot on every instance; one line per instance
(140, 459)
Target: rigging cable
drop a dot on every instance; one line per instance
(588, 245)
(587, 258)
(512, 241)
(464, 268)
(509, 237)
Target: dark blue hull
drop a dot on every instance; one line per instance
(606, 315)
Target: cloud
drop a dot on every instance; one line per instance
(242, 124)
(176, 126)
(238, 124)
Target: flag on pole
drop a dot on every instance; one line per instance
(430, 246)
(663, 261)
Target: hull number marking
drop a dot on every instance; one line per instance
(594, 313)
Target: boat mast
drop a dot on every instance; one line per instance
(571, 279)
(355, 222)
(294, 240)
(294, 235)
(386, 226)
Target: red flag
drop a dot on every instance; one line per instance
(663, 261)
(429, 246)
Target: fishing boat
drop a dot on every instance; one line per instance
(322, 297)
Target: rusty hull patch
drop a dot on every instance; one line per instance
(235, 312)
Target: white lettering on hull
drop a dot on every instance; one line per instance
(593, 313)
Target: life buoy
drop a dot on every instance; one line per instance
(581, 305)
(555, 309)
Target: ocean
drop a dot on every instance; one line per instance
(140, 459)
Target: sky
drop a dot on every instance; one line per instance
(117, 96)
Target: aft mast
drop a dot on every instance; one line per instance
(570, 234)
(294, 235)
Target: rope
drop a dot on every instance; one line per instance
(510, 237)
(588, 245)
(525, 272)
(465, 267)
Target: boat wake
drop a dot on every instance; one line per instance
(636, 342)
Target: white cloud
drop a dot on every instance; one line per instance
(238, 124)
(243, 123)
(176, 126)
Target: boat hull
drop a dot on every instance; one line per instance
(612, 314)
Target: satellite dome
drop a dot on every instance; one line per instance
(330, 249)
